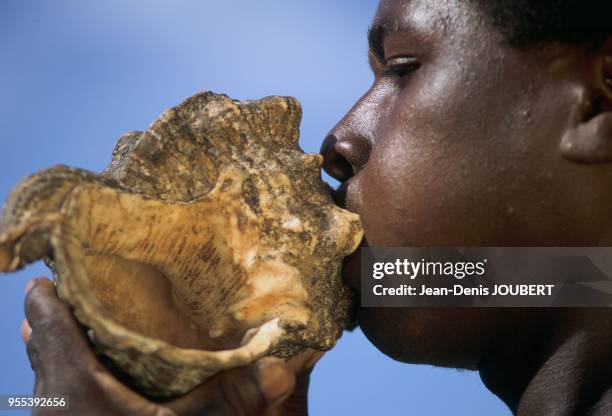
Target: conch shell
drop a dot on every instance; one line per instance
(208, 242)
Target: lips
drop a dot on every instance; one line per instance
(339, 194)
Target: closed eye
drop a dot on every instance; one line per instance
(401, 66)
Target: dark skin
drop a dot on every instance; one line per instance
(462, 140)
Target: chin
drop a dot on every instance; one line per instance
(442, 337)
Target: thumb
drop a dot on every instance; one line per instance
(240, 392)
(56, 341)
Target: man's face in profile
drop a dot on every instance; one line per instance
(460, 142)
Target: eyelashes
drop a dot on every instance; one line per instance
(401, 66)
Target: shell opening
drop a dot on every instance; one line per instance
(139, 297)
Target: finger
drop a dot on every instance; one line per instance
(25, 331)
(42, 303)
(125, 400)
(305, 361)
(240, 392)
(56, 338)
(30, 285)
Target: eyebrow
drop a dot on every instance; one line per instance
(376, 34)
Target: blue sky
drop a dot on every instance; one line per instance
(75, 75)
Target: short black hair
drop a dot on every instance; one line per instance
(524, 22)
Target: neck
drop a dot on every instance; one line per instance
(561, 366)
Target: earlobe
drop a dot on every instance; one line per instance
(589, 140)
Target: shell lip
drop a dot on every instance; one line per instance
(351, 265)
(351, 268)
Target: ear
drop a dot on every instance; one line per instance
(589, 140)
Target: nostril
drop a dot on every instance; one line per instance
(342, 170)
(354, 151)
(335, 164)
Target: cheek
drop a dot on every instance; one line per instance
(430, 171)
(467, 179)
(424, 194)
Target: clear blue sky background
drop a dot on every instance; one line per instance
(74, 75)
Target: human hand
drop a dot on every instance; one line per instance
(65, 364)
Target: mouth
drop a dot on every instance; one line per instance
(339, 195)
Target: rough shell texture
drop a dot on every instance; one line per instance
(208, 242)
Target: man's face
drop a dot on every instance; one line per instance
(456, 143)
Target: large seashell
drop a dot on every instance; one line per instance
(208, 242)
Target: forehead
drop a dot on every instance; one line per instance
(426, 16)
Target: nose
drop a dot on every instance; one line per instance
(345, 151)
(334, 164)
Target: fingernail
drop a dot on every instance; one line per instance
(29, 286)
(274, 379)
(25, 330)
